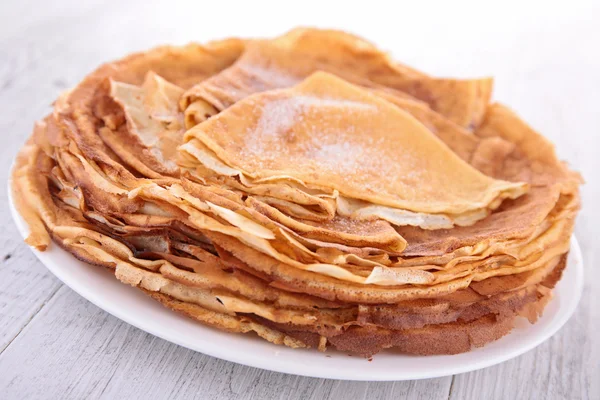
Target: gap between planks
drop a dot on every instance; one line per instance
(31, 318)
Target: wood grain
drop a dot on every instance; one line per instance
(54, 344)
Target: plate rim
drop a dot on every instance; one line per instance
(120, 313)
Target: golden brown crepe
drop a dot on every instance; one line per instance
(103, 178)
(287, 60)
(332, 136)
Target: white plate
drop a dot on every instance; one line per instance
(101, 288)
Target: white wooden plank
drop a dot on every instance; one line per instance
(25, 286)
(544, 69)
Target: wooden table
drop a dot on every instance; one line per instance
(54, 344)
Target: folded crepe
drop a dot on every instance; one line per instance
(332, 136)
(288, 59)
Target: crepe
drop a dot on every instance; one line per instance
(218, 313)
(152, 126)
(288, 59)
(329, 135)
(108, 177)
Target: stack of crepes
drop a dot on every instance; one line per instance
(307, 188)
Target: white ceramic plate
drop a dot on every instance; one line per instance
(101, 288)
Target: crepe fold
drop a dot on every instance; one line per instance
(288, 59)
(331, 136)
(308, 189)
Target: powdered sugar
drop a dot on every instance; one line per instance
(316, 134)
(343, 157)
(270, 76)
(280, 116)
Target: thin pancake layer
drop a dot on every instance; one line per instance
(287, 60)
(331, 135)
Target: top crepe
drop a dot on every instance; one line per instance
(330, 135)
(288, 59)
